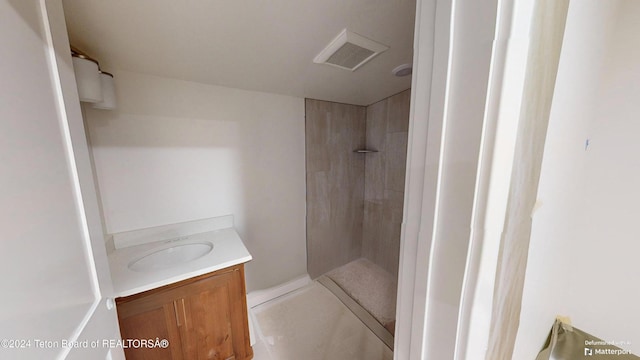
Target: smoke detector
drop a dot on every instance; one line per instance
(349, 51)
(402, 70)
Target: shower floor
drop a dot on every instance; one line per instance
(369, 291)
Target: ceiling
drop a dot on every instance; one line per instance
(263, 45)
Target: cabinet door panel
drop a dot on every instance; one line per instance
(209, 309)
(151, 323)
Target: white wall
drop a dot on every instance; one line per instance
(583, 256)
(175, 151)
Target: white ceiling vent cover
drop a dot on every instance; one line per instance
(349, 51)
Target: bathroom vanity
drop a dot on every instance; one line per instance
(182, 297)
(204, 317)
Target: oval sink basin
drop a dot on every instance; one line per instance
(170, 257)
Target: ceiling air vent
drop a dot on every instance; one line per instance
(349, 51)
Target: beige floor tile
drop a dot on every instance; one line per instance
(312, 324)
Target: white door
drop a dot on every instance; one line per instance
(55, 282)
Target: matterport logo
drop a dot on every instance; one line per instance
(591, 352)
(594, 350)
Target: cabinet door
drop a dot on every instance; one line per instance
(208, 332)
(151, 317)
(216, 307)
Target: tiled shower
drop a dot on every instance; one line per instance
(355, 167)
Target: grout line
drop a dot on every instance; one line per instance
(367, 319)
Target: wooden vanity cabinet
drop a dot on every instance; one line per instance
(204, 317)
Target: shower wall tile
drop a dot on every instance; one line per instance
(375, 162)
(398, 119)
(395, 160)
(317, 134)
(387, 131)
(377, 124)
(396, 205)
(335, 184)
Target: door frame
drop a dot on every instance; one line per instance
(431, 66)
(100, 321)
(431, 102)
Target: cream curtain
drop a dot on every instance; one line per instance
(547, 32)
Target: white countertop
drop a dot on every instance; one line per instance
(228, 250)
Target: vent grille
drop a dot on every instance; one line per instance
(349, 56)
(349, 51)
